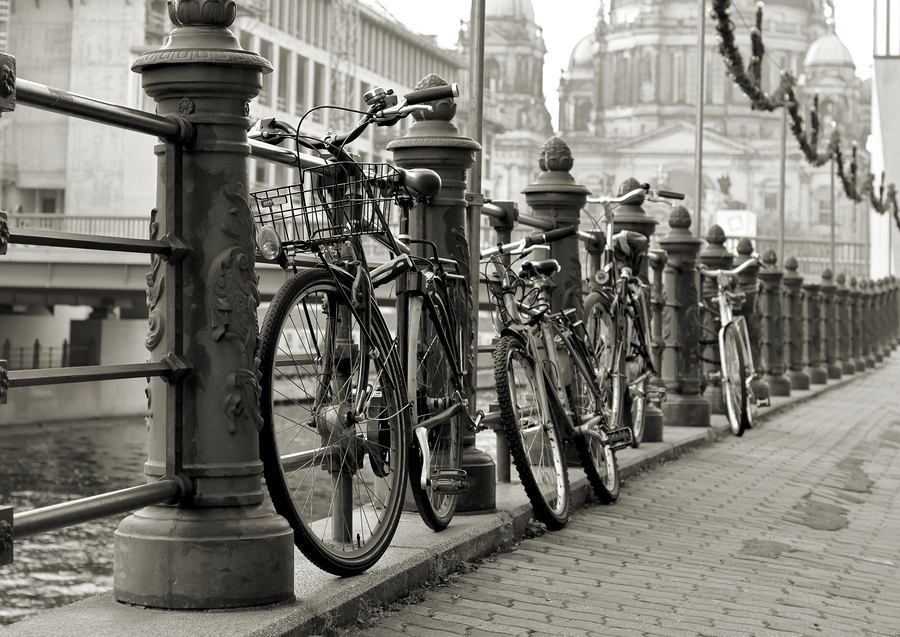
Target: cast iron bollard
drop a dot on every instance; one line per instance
(818, 374)
(877, 318)
(867, 304)
(845, 325)
(749, 282)
(830, 326)
(793, 283)
(633, 217)
(6, 535)
(653, 423)
(715, 256)
(434, 142)
(883, 317)
(895, 313)
(220, 546)
(681, 325)
(555, 196)
(771, 276)
(856, 326)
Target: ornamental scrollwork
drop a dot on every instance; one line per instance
(4, 232)
(4, 384)
(232, 299)
(155, 287)
(207, 13)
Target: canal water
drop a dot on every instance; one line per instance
(51, 465)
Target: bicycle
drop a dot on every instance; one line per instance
(350, 414)
(546, 385)
(733, 339)
(617, 318)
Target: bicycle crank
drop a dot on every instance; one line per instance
(616, 439)
(449, 481)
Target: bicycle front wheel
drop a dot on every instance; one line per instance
(609, 366)
(597, 458)
(431, 382)
(635, 395)
(734, 378)
(532, 433)
(335, 426)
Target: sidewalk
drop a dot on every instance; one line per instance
(417, 555)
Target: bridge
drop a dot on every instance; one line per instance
(186, 547)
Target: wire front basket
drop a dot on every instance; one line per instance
(330, 204)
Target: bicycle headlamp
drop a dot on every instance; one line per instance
(269, 243)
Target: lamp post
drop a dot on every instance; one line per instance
(698, 147)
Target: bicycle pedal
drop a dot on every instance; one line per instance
(714, 376)
(619, 438)
(656, 394)
(449, 481)
(763, 402)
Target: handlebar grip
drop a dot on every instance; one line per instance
(430, 94)
(551, 235)
(669, 194)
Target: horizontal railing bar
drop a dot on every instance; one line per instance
(64, 514)
(283, 156)
(63, 375)
(54, 239)
(534, 222)
(60, 101)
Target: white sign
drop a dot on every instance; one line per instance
(737, 223)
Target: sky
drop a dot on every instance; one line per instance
(565, 22)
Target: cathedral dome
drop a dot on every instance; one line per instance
(514, 9)
(828, 50)
(583, 53)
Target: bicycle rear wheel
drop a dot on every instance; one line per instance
(532, 433)
(597, 459)
(635, 395)
(434, 387)
(600, 324)
(336, 473)
(734, 378)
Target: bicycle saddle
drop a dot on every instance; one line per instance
(546, 267)
(424, 181)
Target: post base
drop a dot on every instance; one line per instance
(848, 367)
(760, 388)
(653, 424)
(686, 410)
(481, 473)
(835, 370)
(203, 558)
(818, 375)
(716, 399)
(799, 380)
(779, 384)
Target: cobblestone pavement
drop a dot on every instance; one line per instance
(793, 529)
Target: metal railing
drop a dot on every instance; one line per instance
(814, 254)
(104, 226)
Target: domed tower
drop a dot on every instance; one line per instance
(514, 64)
(829, 71)
(577, 112)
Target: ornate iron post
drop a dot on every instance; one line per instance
(654, 419)
(749, 282)
(772, 277)
(818, 374)
(830, 333)
(882, 318)
(434, 142)
(845, 325)
(220, 546)
(877, 319)
(793, 283)
(856, 327)
(715, 256)
(556, 196)
(681, 325)
(867, 305)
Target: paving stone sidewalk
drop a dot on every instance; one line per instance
(793, 529)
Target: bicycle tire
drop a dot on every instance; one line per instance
(431, 381)
(734, 379)
(601, 328)
(532, 433)
(634, 405)
(308, 380)
(597, 459)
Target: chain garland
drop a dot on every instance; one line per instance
(750, 82)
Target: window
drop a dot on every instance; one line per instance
(300, 101)
(825, 212)
(770, 201)
(318, 90)
(265, 95)
(284, 78)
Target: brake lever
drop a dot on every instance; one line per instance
(389, 116)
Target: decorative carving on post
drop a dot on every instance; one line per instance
(203, 316)
(4, 231)
(856, 326)
(655, 418)
(793, 283)
(771, 276)
(434, 142)
(845, 325)
(818, 374)
(680, 325)
(4, 382)
(749, 282)
(715, 257)
(7, 83)
(7, 543)
(556, 196)
(830, 334)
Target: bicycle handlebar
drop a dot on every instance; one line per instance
(754, 260)
(538, 237)
(431, 94)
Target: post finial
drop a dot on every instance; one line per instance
(203, 13)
